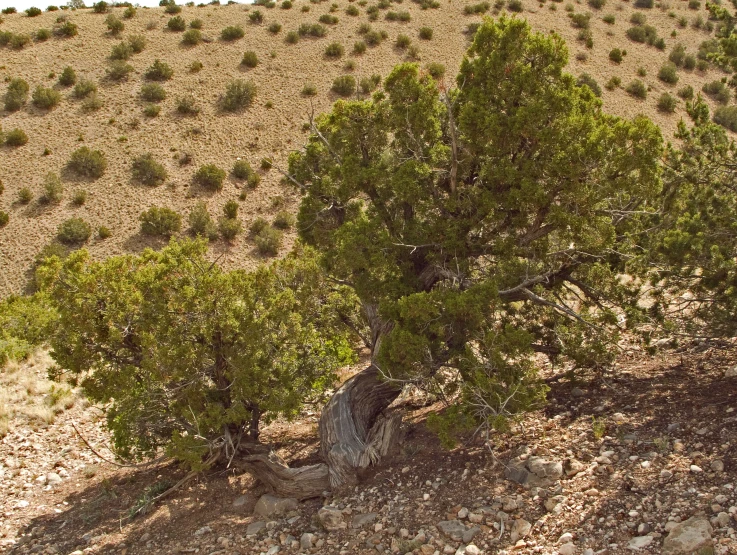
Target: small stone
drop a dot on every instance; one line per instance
(425, 496)
(53, 479)
(240, 501)
(666, 474)
(592, 492)
(577, 392)
(695, 469)
(305, 541)
(471, 549)
(270, 505)
(731, 372)
(645, 464)
(722, 520)
(640, 542)
(361, 520)
(566, 538)
(463, 513)
(717, 465)
(475, 518)
(573, 467)
(567, 549)
(454, 529)
(643, 529)
(255, 527)
(331, 518)
(520, 529)
(202, 531)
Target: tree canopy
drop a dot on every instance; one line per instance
(483, 223)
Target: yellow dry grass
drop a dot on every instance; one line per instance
(270, 128)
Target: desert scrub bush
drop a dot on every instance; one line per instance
(292, 37)
(328, 19)
(16, 137)
(726, 116)
(114, 25)
(172, 9)
(160, 222)
(644, 4)
(210, 177)
(25, 195)
(129, 12)
(609, 19)
(286, 5)
(9, 10)
(256, 17)
(200, 222)
(195, 66)
(613, 83)
(334, 50)
(153, 92)
(229, 228)
(196, 24)
(596, 4)
(480, 8)
(689, 62)
(352, 10)
(103, 232)
(92, 103)
(241, 169)
(694, 4)
(53, 190)
(638, 18)
(46, 98)
(119, 70)
(100, 7)
(230, 209)
(151, 110)
(33, 11)
(668, 73)
(79, 197)
(616, 55)
(232, 32)
(4, 219)
(515, 6)
(268, 241)
(42, 35)
(192, 37)
(425, 33)
(187, 105)
(373, 38)
(283, 220)
(176, 24)
(18, 41)
(258, 225)
(436, 70)
(274, 28)
(16, 95)
(359, 48)
(312, 30)
(87, 162)
(637, 89)
(73, 231)
(643, 34)
(590, 82)
(580, 20)
(667, 103)
(66, 29)
(239, 95)
(717, 90)
(686, 93)
(369, 84)
(250, 59)
(121, 51)
(148, 171)
(345, 85)
(677, 55)
(159, 71)
(403, 41)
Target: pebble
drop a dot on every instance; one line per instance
(717, 465)
(567, 549)
(695, 469)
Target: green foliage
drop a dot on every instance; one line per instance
(84, 88)
(181, 353)
(187, 105)
(25, 323)
(79, 197)
(476, 9)
(196, 24)
(590, 82)
(667, 103)
(292, 37)
(637, 89)
(283, 220)
(229, 228)
(87, 162)
(686, 93)
(200, 222)
(359, 47)
(129, 12)
(678, 55)
(16, 137)
(121, 51)
(192, 37)
(230, 209)
(436, 70)
(334, 50)
(580, 20)
(210, 177)
(43, 35)
(309, 90)
(173, 9)
(114, 25)
(153, 92)
(17, 94)
(74, 231)
(515, 6)
(668, 73)
(312, 30)
(53, 189)
(148, 171)
(425, 33)
(46, 98)
(643, 33)
(616, 55)
(328, 19)
(486, 286)
(403, 41)
(4, 219)
(160, 222)
(66, 29)
(268, 241)
(726, 116)
(613, 83)
(239, 95)
(274, 27)
(232, 32)
(68, 77)
(369, 84)
(609, 19)
(256, 17)
(159, 71)
(25, 195)
(352, 10)
(250, 59)
(33, 12)
(176, 24)
(344, 85)
(19, 40)
(718, 91)
(119, 70)
(100, 7)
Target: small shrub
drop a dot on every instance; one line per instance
(137, 43)
(596, 4)
(638, 18)
(286, 5)
(196, 24)
(258, 225)
(345, 85)
(103, 232)
(176, 24)
(668, 73)
(9, 10)
(160, 221)
(256, 17)
(187, 105)
(192, 37)
(677, 55)
(229, 228)
(334, 50)
(43, 35)
(25, 195)
(580, 20)
(312, 30)
(644, 4)
(68, 77)
(239, 95)
(79, 197)
(53, 190)
(641, 71)
(616, 56)
(100, 7)
(173, 9)
(268, 241)
(403, 41)
(46, 98)
(689, 62)
(266, 163)
(359, 47)
(148, 171)
(84, 88)
(726, 116)
(718, 91)
(210, 177)
(114, 25)
(19, 41)
(515, 6)
(609, 19)
(328, 19)
(590, 82)
(369, 84)
(667, 103)
(425, 33)
(121, 51)
(292, 37)
(66, 29)
(436, 70)
(195, 66)
(250, 59)
(274, 28)
(73, 231)
(200, 222)
(87, 162)
(129, 12)
(637, 89)
(352, 11)
(16, 137)
(283, 220)
(643, 34)
(309, 90)
(241, 169)
(92, 103)
(231, 33)
(119, 70)
(16, 95)
(151, 110)
(159, 71)
(613, 83)
(33, 12)
(686, 93)
(4, 219)
(230, 209)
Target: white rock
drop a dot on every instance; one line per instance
(53, 479)
(688, 536)
(731, 372)
(717, 465)
(567, 549)
(472, 550)
(520, 529)
(696, 469)
(640, 542)
(463, 513)
(566, 538)
(331, 518)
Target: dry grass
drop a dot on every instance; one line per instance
(120, 129)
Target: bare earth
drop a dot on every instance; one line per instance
(121, 130)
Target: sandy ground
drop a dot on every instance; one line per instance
(121, 130)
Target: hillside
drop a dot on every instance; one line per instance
(273, 125)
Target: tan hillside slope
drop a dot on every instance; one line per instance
(271, 126)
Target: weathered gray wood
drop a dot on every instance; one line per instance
(303, 482)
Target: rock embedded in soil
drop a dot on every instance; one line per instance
(271, 505)
(331, 518)
(688, 536)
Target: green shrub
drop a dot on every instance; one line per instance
(268, 241)
(242, 169)
(613, 83)
(616, 56)
(53, 190)
(46, 98)
(231, 33)
(159, 71)
(590, 82)
(258, 225)
(345, 85)
(114, 25)
(16, 95)
(129, 12)
(312, 30)
(644, 4)
(436, 70)
(9, 10)
(643, 34)
(309, 90)
(266, 163)
(283, 220)
(151, 110)
(638, 18)
(609, 19)
(229, 228)
(580, 20)
(352, 11)
(637, 89)
(230, 209)
(153, 92)
(425, 33)
(160, 221)
(328, 19)
(148, 171)
(25, 195)
(192, 37)
(43, 35)
(678, 55)
(33, 12)
(92, 102)
(4, 219)
(66, 29)
(668, 73)
(372, 38)
(515, 6)
(286, 5)
(118, 70)
(694, 4)
(726, 116)
(68, 77)
(274, 28)
(16, 137)
(19, 41)
(73, 231)
(250, 59)
(187, 105)
(403, 41)
(84, 88)
(239, 95)
(689, 62)
(256, 17)
(479, 8)
(173, 9)
(87, 162)
(103, 232)
(359, 47)
(369, 84)
(718, 91)
(334, 50)
(597, 4)
(200, 222)
(210, 177)
(176, 24)
(121, 51)
(667, 103)
(292, 37)
(100, 7)
(195, 66)
(686, 93)
(196, 24)
(79, 197)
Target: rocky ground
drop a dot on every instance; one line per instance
(640, 458)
